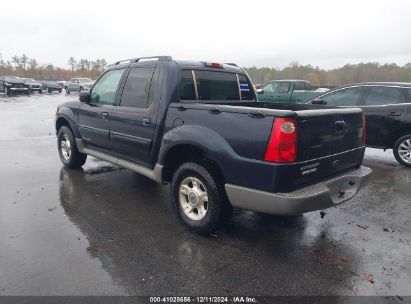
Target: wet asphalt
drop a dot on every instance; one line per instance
(105, 230)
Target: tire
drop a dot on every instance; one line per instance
(402, 150)
(198, 197)
(27, 92)
(60, 91)
(81, 89)
(40, 91)
(69, 155)
(67, 91)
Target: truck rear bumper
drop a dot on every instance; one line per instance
(325, 194)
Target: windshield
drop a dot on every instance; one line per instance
(13, 79)
(85, 80)
(28, 80)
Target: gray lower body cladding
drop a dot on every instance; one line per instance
(319, 196)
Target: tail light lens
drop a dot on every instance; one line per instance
(282, 147)
(364, 129)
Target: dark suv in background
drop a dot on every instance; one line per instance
(13, 84)
(387, 108)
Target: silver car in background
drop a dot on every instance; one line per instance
(33, 85)
(79, 84)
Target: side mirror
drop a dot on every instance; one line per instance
(318, 101)
(85, 97)
(260, 91)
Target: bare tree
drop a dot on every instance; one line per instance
(16, 61)
(23, 60)
(72, 63)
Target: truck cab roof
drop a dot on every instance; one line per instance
(182, 64)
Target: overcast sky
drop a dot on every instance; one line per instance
(262, 33)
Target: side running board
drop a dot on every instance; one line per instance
(155, 174)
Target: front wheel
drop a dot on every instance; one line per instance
(67, 91)
(402, 150)
(68, 152)
(198, 197)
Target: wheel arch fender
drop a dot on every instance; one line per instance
(66, 117)
(212, 145)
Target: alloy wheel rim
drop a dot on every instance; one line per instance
(193, 198)
(404, 151)
(65, 147)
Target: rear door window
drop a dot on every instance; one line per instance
(299, 86)
(383, 95)
(344, 97)
(137, 87)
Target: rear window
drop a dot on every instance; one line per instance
(212, 85)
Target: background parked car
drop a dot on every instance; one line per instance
(13, 84)
(52, 86)
(79, 84)
(287, 91)
(33, 85)
(387, 108)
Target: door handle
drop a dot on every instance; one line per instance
(393, 113)
(104, 114)
(146, 121)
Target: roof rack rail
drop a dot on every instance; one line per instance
(159, 58)
(230, 63)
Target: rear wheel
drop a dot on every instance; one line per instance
(68, 152)
(67, 91)
(402, 150)
(198, 197)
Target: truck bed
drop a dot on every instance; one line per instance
(322, 152)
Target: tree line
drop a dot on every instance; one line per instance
(348, 74)
(24, 66)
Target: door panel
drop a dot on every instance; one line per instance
(383, 110)
(94, 117)
(133, 122)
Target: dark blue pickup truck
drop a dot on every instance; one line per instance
(198, 126)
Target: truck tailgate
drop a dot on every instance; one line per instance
(329, 143)
(322, 133)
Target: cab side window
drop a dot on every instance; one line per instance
(344, 97)
(269, 87)
(137, 88)
(383, 95)
(104, 90)
(299, 86)
(283, 87)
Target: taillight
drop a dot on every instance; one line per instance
(282, 147)
(364, 129)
